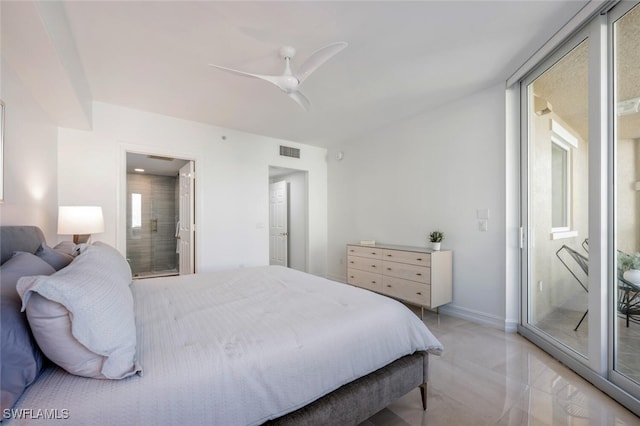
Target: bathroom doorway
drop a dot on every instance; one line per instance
(159, 207)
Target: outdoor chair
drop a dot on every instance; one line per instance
(576, 262)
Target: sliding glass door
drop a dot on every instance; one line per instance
(580, 202)
(625, 25)
(555, 100)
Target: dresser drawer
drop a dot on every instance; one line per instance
(410, 257)
(365, 279)
(410, 291)
(364, 264)
(371, 252)
(405, 271)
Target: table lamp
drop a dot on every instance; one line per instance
(81, 221)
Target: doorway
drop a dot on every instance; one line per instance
(288, 215)
(159, 206)
(580, 174)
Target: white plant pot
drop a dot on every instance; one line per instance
(632, 275)
(435, 246)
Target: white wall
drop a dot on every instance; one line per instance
(30, 160)
(433, 171)
(232, 181)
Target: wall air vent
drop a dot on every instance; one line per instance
(287, 151)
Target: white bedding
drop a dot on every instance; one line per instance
(238, 348)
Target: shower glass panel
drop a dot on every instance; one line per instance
(151, 224)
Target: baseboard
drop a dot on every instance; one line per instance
(509, 326)
(479, 317)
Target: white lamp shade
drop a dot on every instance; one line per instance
(80, 220)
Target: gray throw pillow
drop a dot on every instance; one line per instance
(82, 316)
(68, 247)
(22, 360)
(55, 258)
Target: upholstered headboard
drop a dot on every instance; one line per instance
(19, 238)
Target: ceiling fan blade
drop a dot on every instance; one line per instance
(269, 78)
(318, 58)
(300, 99)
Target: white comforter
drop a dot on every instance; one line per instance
(238, 348)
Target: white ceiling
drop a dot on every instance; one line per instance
(403, 57)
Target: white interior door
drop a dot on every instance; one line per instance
(278, 224)
(186, 224)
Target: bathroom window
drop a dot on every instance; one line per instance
(136, 211)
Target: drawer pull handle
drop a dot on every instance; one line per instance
(373, 282)
(390, 255)
(352, 276)
(388, 269)
(419, 259)
(419, 274)
(351, 261)
(373, 266)
(373, 252)
(419, 294)
(389, 285)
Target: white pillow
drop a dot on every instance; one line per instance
(84, 320)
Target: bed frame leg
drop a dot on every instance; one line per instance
(423, 394)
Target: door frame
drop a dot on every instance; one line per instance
(121, 201)
(598, 369)
(305, 207)
(595, 362)
(526, 237)
(614, 375)
(190, 231)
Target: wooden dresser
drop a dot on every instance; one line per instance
(416, 275)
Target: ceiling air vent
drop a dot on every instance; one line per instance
(287, 151)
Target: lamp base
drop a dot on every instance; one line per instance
(81, 238)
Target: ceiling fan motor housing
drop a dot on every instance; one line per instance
(288, 83)
(287, 52)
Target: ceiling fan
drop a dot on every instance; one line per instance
(289, 82)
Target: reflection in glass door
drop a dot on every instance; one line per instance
(557, 105)
(626, 33)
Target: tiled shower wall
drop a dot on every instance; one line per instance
(152, 248)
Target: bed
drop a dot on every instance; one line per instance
(246, 347)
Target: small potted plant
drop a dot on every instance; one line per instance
(436, 239)
(629, 264)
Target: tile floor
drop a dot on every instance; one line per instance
(488, 377)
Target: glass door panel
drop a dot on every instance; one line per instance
(557, 117)
(626, 32)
